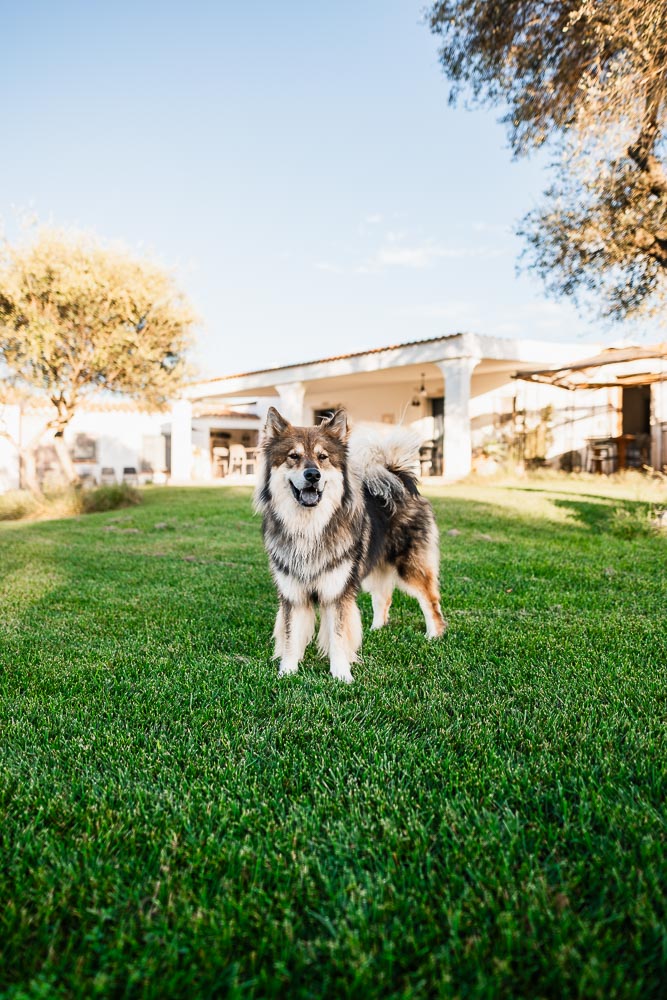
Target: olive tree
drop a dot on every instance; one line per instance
(589, 77)
(77, 318)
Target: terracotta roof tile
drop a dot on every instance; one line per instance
(120, 405)
(334, 357)
(216, 410)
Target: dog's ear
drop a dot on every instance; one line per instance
(336, 424)
(275, 423)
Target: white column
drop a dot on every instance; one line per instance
(292, 395)
(457, 445)
(181, 441)
(659, 425)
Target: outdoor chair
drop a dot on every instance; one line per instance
(250, 461)
(426, 454)
(107, 476)
(237, 459)
(220, 461)
(130, 475)
(603, 457)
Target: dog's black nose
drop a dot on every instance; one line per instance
(311, 475)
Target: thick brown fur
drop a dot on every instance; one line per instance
(339, 516)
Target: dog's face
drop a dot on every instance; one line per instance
(305, 464)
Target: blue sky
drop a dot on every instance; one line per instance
(296, 163)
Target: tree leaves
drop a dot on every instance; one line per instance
(75, 317)
(590, 76)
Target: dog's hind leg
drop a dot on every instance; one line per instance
(297, 623)
(422, 583)
(380, 585)
(340, 636)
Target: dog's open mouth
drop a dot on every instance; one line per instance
(309, 496)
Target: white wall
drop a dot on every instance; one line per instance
(9, 456)
(576, 417)
(122, 439)
(370, 403)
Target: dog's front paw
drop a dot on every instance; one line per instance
(436, 629)
(343, 674)
(286, 669)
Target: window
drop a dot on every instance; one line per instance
(84, 449)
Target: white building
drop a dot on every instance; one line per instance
(114, 440)
(459, 391)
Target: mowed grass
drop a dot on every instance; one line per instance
(481, 816)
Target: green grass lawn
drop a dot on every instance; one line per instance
(481, 816)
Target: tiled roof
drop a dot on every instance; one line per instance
(124, 405)
(120, 405)
(334, 357)
(216, 410)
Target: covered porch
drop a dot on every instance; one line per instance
(634, 379)
(443, 387)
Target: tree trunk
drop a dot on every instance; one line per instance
(28, 471)
(65, 459)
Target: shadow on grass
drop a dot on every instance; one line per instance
(548, 491)
(598, 515)
(601, 514)
(626, 518)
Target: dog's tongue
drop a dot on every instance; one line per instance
(309, 496)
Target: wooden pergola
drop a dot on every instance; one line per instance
(613, 368)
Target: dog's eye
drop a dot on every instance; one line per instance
(294, 455)
(322, 457)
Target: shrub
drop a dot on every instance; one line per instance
(17, 504)
(108, 498)
(633, 522)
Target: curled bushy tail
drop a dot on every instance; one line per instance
(388, 463)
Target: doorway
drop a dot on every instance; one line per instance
(635, 443)
(637, 409)
(437, 407)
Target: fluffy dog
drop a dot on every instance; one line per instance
(339, 515)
